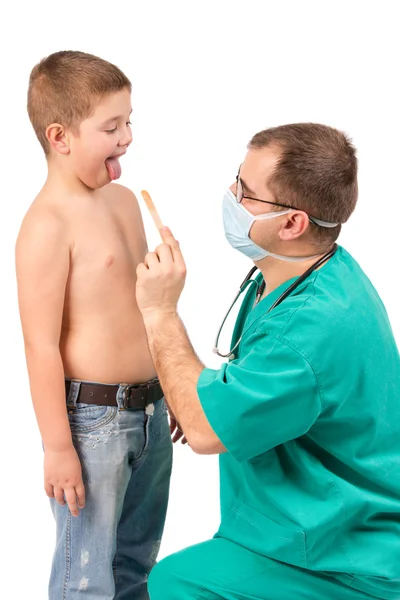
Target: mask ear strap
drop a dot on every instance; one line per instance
(293, 258)
(323, 223)
(271, 215)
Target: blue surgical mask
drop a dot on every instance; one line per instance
(237, 224)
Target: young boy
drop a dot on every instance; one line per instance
(99, 406)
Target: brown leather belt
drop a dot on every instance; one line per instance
(135, 396)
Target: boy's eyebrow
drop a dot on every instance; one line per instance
(115, 118)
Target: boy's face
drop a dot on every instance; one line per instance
(102, 138)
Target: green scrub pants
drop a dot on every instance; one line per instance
(222, 570)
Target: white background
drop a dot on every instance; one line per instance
(206, 76)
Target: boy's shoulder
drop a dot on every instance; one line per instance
(116, 190)
(42, 219)
(123, 199)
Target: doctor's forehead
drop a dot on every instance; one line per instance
(257, 166)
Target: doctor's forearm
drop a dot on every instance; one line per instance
(178, 369)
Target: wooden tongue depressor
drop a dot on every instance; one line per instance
(152, 209)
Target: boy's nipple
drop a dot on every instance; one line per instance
(109, 260)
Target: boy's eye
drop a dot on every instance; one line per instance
(115, 128)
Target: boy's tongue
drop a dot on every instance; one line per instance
(113, 168)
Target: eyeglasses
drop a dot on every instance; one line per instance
(240, 195)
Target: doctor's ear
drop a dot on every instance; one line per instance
(294, 226)
(58, 138)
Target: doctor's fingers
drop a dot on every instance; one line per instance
(169, 239)
(164, 253)
(173, 423)
(151, 260)
(168, 256)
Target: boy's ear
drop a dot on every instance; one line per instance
(58, 138)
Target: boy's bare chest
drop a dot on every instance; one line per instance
(107, 250)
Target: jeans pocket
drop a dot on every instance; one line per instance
(89, 417)
(148, 421)
(164, 406)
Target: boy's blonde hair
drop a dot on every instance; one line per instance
(64, 88)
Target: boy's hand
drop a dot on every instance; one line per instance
(63, 479)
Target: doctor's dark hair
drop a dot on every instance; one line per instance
(65, 87)
(316, 172)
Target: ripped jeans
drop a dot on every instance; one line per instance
(108, 551)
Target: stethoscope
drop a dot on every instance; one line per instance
(248, 281)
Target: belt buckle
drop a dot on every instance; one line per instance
(126, 395)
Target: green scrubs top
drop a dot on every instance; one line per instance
(309, 412)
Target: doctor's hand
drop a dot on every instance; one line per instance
(161, 278)
(175, 429)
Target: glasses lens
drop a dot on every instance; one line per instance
(239, 190)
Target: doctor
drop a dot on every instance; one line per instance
(306, 413)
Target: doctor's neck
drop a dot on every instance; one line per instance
(277, 271)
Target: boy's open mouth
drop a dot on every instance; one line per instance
(113, 167)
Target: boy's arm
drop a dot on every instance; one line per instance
(42, 266)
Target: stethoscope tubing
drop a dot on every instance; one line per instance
(261, 287)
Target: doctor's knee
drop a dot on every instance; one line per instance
(163, 581)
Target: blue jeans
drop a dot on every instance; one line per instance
(108, 551)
